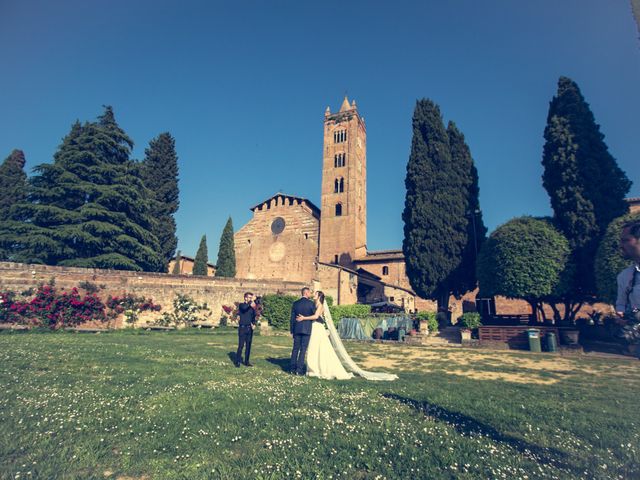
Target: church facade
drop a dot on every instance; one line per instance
(290, 238)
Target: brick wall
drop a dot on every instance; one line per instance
(162, 288)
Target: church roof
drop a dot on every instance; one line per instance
(381, 256)
(311, 205)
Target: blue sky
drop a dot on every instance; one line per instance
(243, 85)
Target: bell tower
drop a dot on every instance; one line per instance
(343, 220)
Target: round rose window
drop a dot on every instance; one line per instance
(277, 226)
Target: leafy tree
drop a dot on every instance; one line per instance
(202, 258)
(609, 259)
(525, 258)
(226, 266)
(89, 208)
(176, 265)
(441, 209)
(586, 187)
(159, 172)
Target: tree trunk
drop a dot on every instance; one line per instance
(557, 318)
(571, 310)
(534, 310)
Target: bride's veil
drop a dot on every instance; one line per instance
(344, 357)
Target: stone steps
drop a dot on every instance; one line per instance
(445, 336)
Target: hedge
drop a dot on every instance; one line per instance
(277, 310)
(338, 312)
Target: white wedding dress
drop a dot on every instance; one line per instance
(327, 358)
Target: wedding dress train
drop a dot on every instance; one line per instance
(327, 357)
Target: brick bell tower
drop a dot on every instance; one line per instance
(343, 220)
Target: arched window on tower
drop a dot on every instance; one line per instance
(338, 209)
(342, 184)
(385, 270)
(336, 186)
(339, 136)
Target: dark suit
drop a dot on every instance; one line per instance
(301, 332)
(245, 331)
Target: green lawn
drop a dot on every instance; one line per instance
(171, 405)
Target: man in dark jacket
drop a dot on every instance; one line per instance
(246, 325)
(301, 330)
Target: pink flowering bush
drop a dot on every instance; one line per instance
(130, 305)
(56, 309)
(51, 308)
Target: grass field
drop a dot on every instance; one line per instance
(133, 405)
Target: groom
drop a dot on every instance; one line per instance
(301, 330)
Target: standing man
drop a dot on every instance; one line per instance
(246, 325)
(628, 301)
(301, 330)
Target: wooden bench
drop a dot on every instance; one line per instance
(86, 330)
(13, 326)
(515, 336)
(158, 327)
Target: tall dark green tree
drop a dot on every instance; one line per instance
(176, 264)
(159, 172)
(441, 208)
(226, 266)
(88, 208)
(202, 258)
(586, 186)
(13, 190)
(463, 278)
(13, 182)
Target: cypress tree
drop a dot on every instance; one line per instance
(89, 207)
(13, 190)
(202, 258)
(436, 214)
(463, 279)
(176, 265)
(226, 266)
(160, 175)
(586, 186)
(13, 182)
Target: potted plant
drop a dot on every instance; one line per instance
(428, 324)
(468, 322)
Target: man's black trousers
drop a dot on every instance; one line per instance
(299, 352)
(245, 335)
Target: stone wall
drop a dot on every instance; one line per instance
(162, 288)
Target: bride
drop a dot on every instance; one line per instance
(328, 361)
